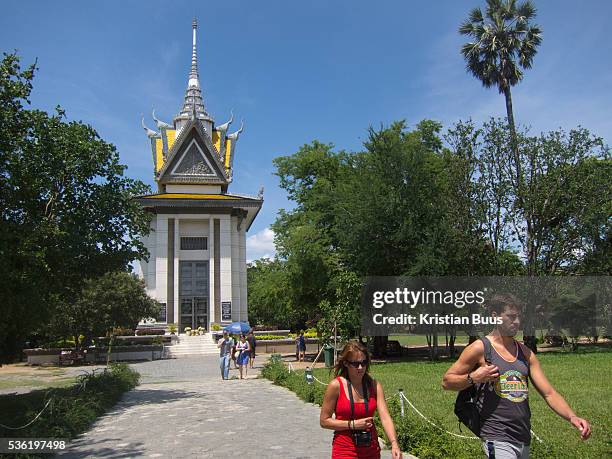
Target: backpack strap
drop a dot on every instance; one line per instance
(487, 349)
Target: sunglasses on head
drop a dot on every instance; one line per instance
(356, 363)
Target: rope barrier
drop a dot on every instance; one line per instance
(317, 380)
(437, 427)
(31, 422)
(452, 433)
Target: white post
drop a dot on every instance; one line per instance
(401, 397)
(335, 343)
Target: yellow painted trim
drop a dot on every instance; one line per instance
(171, 135)
(159, 154)
(228, 150)
(216, 140)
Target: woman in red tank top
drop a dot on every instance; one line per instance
(355, 435)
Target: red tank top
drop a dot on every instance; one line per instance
(343, 446)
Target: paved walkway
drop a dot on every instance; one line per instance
(183, 409)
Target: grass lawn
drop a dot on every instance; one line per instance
(17, 382)
(583, 378)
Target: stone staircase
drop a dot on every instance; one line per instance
(190, 346)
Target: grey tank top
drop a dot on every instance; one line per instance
(504, 404)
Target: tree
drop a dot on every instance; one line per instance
(116, 299)
(503, 43)
(67, 209)
(269, 294)
(558, 220)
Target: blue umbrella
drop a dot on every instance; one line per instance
(237, 327)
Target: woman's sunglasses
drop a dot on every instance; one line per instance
(356, 363)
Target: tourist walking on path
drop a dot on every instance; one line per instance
(243, 351)
(253, 344)
(226, 345)
(501, 367)
(300, 347)
(353, 396)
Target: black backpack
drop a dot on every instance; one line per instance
(466, 407)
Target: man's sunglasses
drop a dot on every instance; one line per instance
(356, 363)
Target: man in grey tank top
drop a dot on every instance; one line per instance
(503, 383)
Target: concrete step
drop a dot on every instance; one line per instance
(192, 346)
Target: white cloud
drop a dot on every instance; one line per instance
(261, 245)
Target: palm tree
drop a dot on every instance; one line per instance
(503, 43)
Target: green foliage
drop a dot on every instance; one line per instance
(277, 373)
(67, 209)
(503, 42)
(72, 410)
(268, 293)
(116, 301)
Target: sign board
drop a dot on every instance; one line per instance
(226, 311)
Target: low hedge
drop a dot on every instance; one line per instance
(270, 337)
(150, 331)
(72, 410)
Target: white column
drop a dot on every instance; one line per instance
(211, 271)
(236, 299)
(161, 263)
(177, 242)
(225, 237)
(243, 273)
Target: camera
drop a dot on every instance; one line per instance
(362, 437)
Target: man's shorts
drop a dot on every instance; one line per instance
(495, 449)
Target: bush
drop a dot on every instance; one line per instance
(122, 331)
(150, 332)
(60, 343)
(295, 381)
(71, 410)
(215, 327)
(265, 327)
(270, 337)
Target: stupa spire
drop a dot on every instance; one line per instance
(193, 74)
(194, 101)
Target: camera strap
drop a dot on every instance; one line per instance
(365, 397)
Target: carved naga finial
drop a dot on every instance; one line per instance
(234, 135)
(150, 132)
(161, 124)
(224, 126)
(260, 193)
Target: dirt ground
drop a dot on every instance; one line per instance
(21, 377)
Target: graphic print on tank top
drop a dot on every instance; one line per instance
(512, 385)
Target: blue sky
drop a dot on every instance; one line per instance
(297, 71)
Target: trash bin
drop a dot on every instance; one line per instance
(328, 352)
